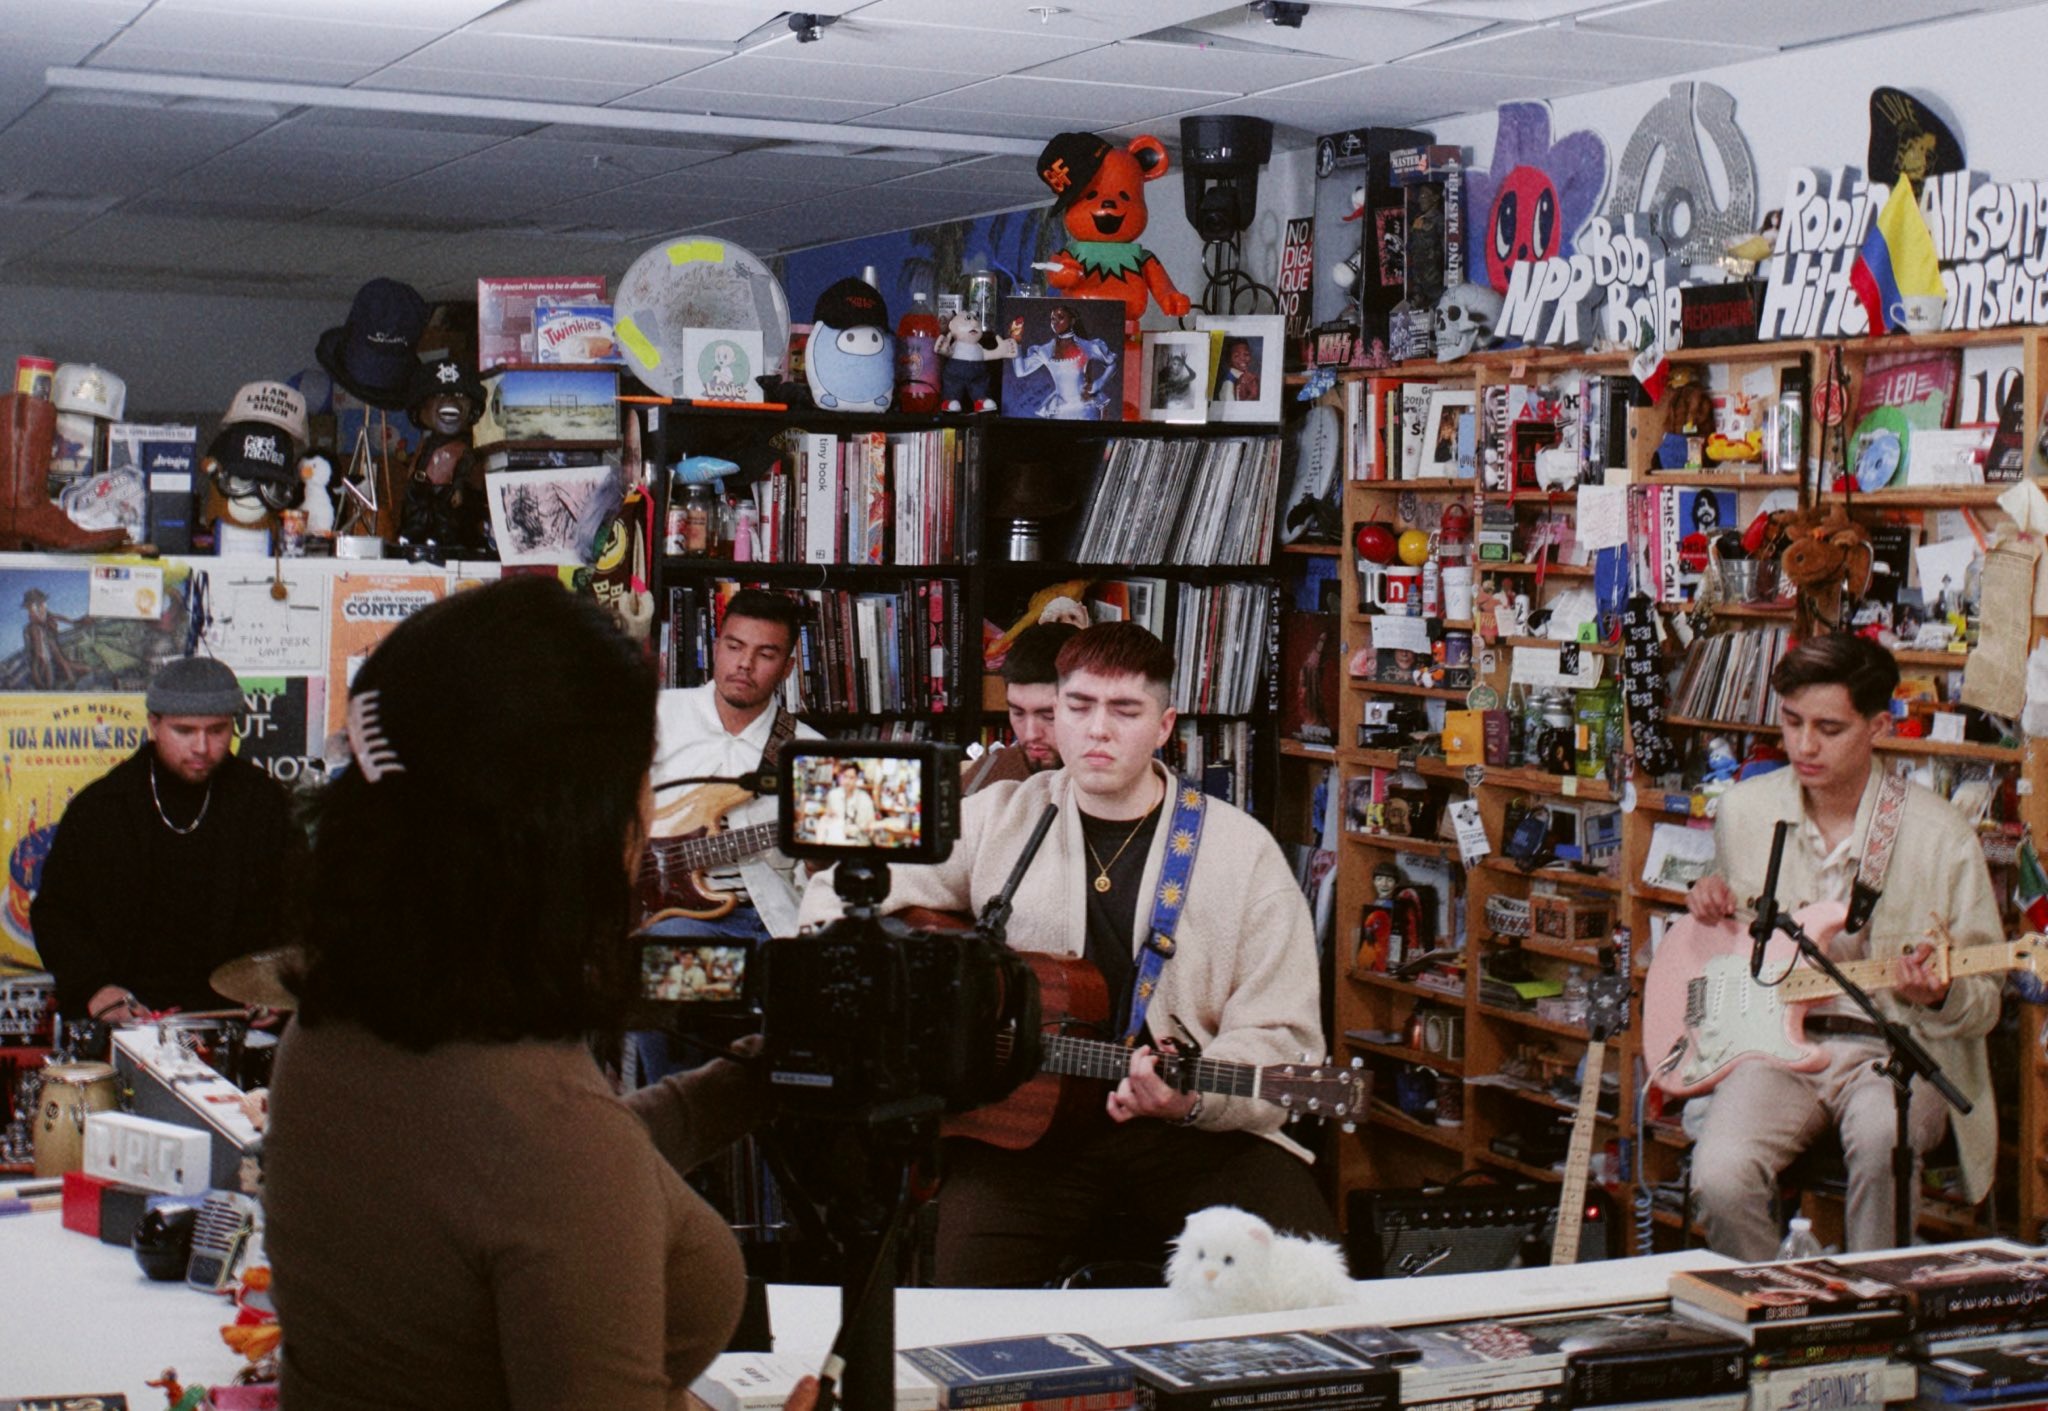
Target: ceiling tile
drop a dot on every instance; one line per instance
(1096, 21)
(24, 231)
(775, 73)
(314, 139)
(698, 22)
(1506, 11)
(437, 15)
(1768, 23)
(1192, 63)
(89, 22)
(414, 77)
(253, 41)
(1049, 104)
(21, 70)
(676, 98)
(628, 66)
(770, 164)
(1559, 51)
(227, 63)
(1395, 95)
(89, 148)
(861, 40)
(1374, 36)
(604, 163)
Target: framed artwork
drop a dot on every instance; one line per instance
(720, 364)
(1250, 360)
(1176, 377)
(1069, 359)
(1447, 435)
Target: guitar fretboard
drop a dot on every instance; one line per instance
(735, 845)
(1093, 1058)
(1881, 973)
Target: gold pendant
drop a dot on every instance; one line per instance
(1102, 883)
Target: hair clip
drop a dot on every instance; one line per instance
(374, 753)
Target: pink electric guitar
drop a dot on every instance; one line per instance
(1702, 1014)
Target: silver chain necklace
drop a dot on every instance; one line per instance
(157, 799)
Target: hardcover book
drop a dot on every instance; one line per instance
(1468, 1359)
(1271, 1369)
(1991, 1374)
(763, 1381)
(1872, 1382)
(1767, 1293)
(1633, 1353)
(998, 1371)
(1959, 1287)
(1795, 1342)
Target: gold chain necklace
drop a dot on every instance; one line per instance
(157, 799)
(1102, 868)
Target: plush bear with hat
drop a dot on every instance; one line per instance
(252, 463)
(1099, 193)
(850, 360)
(374, 353)
(444, 495)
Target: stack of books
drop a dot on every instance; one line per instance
(1980, 1322)
(1818, 1332)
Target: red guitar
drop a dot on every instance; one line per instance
(1074, 1070)
(688, 841)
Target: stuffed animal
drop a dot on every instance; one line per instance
(850, 360)
(1099, 193)
(1229, 1261)
(1826, 554)
(1688, 406)
(967, 379)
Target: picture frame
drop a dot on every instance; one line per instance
(1248, 353)
(1451, 415)
(1069, 363)
(1176, 377)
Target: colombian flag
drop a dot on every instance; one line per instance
(1897, 260)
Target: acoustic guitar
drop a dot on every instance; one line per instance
(689, 840)
(1703, 1014)
(1078, 1064)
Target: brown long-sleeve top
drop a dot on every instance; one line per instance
(488, 1226)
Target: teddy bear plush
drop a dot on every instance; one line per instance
(1099, 194)
(967, 379)
(1826, 554)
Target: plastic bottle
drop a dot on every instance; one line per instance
(1799, 1241)
(917, 357)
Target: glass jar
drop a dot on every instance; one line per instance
(698, 522)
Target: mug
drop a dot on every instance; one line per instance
(1457, 590)
(1396, 589)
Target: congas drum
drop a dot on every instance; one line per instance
(70, 1090)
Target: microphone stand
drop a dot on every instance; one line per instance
(1905, 1057)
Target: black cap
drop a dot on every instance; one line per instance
(372, 355)
(852, 303)
(254, 450)
(1068, 163)
(441, 378)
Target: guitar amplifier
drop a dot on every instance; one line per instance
(1399, 1234)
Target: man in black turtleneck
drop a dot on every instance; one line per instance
(167, 866)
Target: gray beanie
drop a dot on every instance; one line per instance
(194, 686)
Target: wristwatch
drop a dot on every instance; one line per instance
(1193, 1113)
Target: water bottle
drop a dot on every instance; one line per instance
(1799, 1241)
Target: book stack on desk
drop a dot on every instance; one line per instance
(1819, 1332)
(1980, 1322)
(1638, 1356)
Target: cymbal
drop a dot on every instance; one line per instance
(258, 980)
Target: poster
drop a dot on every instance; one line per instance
(51, 746)
(282, 726)
(256, 633)
(52, 641)
(362, 608)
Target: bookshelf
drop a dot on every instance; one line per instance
(1536, 1051)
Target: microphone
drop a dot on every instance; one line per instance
(995, 917)
(1767, 905)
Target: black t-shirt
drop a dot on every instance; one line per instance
(1113, 914)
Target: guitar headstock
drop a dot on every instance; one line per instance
(1324, 1090)
(2030, 953)
(1607, 997)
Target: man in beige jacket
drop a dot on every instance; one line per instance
(1834, 693)
(1243, 984)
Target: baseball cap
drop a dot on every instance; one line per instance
(274, 404)
(89, 390)
(1068, 163)
(851, 303)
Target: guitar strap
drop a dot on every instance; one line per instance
(779, 734)
(1183, 839)
(1877, 853)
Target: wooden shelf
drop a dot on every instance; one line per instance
(1560, 876)
(1488, 1157)
(1929, 497)
(1596, 648)
(1550, 570)
(1409, 988)
(1435, 485)
(1536, 781)
(1400, 1053)
(1663, 896)
(1313, 550)
(1429, 766)
(1396, 688)
(1384, 1115)
(1539, 1098)
(1556, 950)
(1528, 1019)
(1939, 661)
(1393, 843)
(1887, 744)
(1295, 749)
(1720, 480)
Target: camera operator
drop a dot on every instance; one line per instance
(1242, 983)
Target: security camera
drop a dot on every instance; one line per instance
(1220, 157)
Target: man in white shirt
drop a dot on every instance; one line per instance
(721, 730)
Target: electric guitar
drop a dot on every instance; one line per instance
(1073, 1069)
(689, 841)
(1703, 1014)
(1606, 1016)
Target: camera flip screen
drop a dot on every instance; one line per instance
(885, 802)
(687, 971)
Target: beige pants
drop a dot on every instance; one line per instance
(1763, 1116)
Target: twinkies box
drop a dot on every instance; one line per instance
(575, 334)
(167, 458)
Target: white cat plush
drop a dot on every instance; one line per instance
(1229, 1261)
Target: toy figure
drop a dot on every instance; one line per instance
(444, 500)
(967, 378)
(318, 473)
(1099, 193)
(850, 360)
(1740, 438)
(253, 469)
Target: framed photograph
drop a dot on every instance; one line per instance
(1069, 359)
(1450, 413)
(1250, 360)
(1176, 377)
(720, 364)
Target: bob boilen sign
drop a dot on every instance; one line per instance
(1990, 238)
(1617, 282)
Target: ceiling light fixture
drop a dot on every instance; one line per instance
(1288, 14)
(809, 28)
(448, 105)
(1046, 12)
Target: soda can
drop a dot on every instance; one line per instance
(981, 297)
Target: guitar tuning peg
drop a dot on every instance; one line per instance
(1350, 1126)
(1357, 1063)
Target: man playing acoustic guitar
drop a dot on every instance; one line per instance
(1834, 697)
(1135, 851)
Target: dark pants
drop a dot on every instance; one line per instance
(1020, 1219)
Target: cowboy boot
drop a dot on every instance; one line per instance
(28, 519)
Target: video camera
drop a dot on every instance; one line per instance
(867, 1018)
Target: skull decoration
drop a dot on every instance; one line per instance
(1465, 320)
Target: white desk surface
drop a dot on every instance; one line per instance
(86, 1320)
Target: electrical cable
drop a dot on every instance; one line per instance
(1225, 284)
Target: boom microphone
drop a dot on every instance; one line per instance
(1767, 905)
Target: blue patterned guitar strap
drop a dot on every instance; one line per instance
(1183, 837)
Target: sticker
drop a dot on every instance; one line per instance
(637, 342)
(1471, 830)
(1483, 697)
(1568, 659)
(1400, 633)
(1475, 775)
(1568, 785)
(690, 252)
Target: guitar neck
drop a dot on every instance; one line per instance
(1093, 1058)
(1571, 1199)
(735, 845)
(1807, 983)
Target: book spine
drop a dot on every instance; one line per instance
(1827, 1332)
(1872, 1382)
(1369, 1391)
(821, 499)
(1594, 1380)
(2010, 1303)
(1505, 1399)
(1008, 1392)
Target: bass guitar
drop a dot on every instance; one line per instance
(688, 841)
(1074, 1002)
(1703, 1014)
